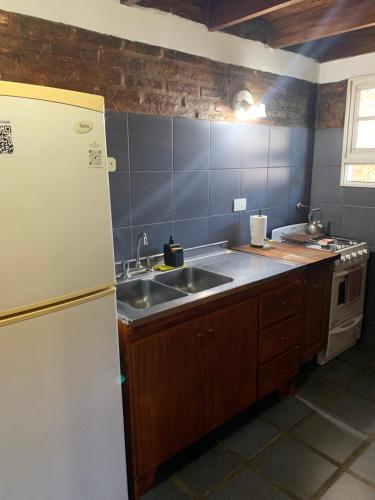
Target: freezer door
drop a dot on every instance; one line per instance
(55, 221)
(61, 425)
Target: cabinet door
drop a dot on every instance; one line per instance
(168, 392)
(317, 288)
(231, 361)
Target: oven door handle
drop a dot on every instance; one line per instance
(350, 323)
(345, 273)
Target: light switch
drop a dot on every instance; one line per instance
(239, 204)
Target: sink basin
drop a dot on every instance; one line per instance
(192, 279)
(140, 294)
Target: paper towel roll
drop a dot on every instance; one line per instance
(258, 229)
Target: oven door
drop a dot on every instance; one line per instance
(340, 309)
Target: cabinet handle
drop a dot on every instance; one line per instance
(305, 281)
(281, 371)
(283, 302)
(282, 339)
(211, 330)
(199, 336)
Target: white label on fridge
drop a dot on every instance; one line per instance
(6, 138)
(83, 127)
(95, 158)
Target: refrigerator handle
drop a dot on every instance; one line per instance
(111, 164)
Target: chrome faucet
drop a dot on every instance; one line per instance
(141, 241)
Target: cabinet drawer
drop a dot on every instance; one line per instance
(279, 338)
(280, 303)
(276, 373)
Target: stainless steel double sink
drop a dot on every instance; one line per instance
(144, 293)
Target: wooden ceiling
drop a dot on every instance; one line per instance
(322, 29)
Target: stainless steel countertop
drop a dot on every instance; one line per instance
(245, 269)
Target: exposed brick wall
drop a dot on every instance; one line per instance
(142, 78)
(331, 103)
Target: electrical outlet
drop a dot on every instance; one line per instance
(239, 204)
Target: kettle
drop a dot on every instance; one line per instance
(315, 226)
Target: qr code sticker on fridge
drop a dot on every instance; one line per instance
(6, 139)
(95, 158)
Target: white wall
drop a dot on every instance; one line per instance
(342, 69)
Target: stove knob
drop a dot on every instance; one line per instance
(354, 255)
(348, 257)
(360, 252)
(342, 258)
(338, 247)
(365, 251)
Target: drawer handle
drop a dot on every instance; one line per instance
(211, 330)
(281, 371)
(199, 336)
(283, 302)
(282, 339)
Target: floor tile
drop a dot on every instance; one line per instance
(365, 385)
(354, 409)
(295, 467)
(365, 464)
(332, 438)
(286, 413)
(250, 438)
(317, 390)
(349, 488)
(247, 485)
(165, 491)
(359, 356)
(209, 468)
(337, 372)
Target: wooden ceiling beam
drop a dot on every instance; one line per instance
(226, 13)
(322, 20)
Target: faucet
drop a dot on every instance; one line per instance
(141, 241)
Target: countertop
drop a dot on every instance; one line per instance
(245, 269)
(291, 253)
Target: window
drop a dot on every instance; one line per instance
(358, 164)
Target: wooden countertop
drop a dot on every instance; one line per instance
(292, 253)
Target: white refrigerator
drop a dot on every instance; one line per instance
(61, 420)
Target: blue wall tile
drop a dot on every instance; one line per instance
(276, 217)
(254, 187)
(190, 190)
(328, 146)
(326, 185)
(150, 142)
(151, 197)
(192, 233)
(116, 124)
(226, 140)
(300, 185)
(224, 187)
(122, 243)
(225, 227)
(302, 147)
(255, 146)
(120, 199)
(278, 186)
(191, 144)
(280, 147)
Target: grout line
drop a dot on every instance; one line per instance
(130, 189)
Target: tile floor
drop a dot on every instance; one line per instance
(319, 443)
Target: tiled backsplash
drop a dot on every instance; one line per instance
(350, 210)
(179, 177)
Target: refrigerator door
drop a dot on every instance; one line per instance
(55, 220)
(61, 425)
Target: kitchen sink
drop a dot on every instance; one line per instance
(192, 279)
(140, 294)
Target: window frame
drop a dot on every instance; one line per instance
(350, 154)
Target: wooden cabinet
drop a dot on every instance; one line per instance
(167, 392)
(317, 296)
(280, 303)
(231, 361)
(190, 372)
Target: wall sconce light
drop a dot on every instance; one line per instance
(245, 108)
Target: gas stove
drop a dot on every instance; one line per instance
(351, 251)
